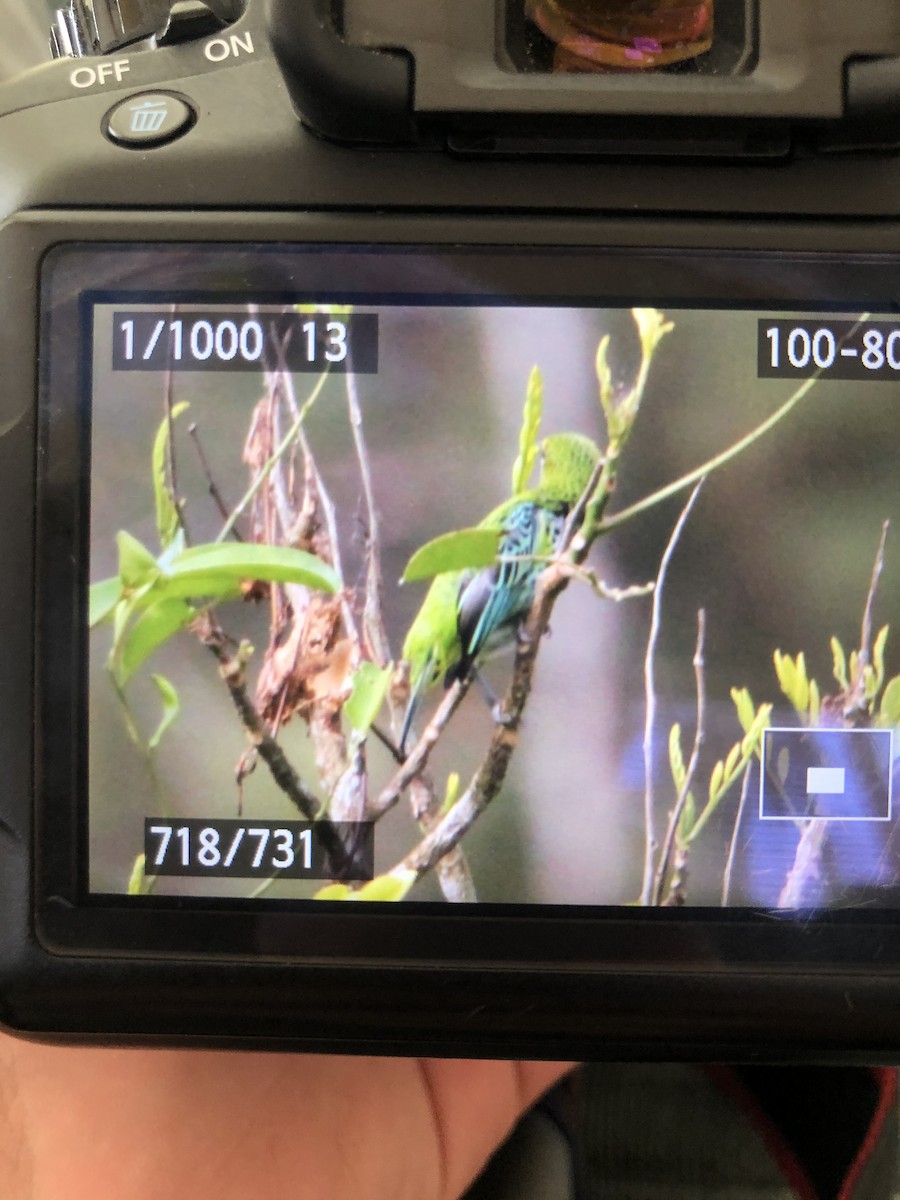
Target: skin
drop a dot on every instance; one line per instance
(85, 1124)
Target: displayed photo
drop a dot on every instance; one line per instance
(494, 603)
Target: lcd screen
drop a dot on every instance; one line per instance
(438, 595)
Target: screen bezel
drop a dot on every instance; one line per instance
(695, 939)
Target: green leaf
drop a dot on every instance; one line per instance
(240, 561)
(151, 630)
(715, 782)
(104, 596)
(743, 702)
(206, 586)
(793, 679)
(393, 886)
(815, 702)
(753, 738)
(462, 550)
(840, 664)
(528, 436)
(878, 656)
(328, 310)
(890, 703)
(333, 891)
(167, 519)
(174, 550)
(676, 758)
(604, 380)
(687, 818)
(122, 614)
(390, 887)
(171, 708)
(139, 883)
(731, 761)
(370, 685)
(652, 328)
(137, 566)
(802, 684)
(451, 792)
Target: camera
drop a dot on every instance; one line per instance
(450, 528)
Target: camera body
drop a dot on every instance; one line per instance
(402, 160)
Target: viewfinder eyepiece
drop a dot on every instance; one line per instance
(622, 35)
(633, 37)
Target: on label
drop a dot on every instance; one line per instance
(219, 49)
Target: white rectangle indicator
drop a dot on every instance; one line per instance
(825, 781)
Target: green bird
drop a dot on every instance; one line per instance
(468, 615)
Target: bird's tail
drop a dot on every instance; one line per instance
(418, 686)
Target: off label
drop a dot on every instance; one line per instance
(113, 71)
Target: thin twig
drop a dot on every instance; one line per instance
(598, 586)
(454, 875)
(665, 856)
(326, 504)
(282, 447)
(719, 460)
(171, 462)
(280, 490)
(232, 668)
(211, 485)
(489, 777)
(233, 671)
(650, 696)
(161, 804)
(680, 849)
(735, 833)
(856, 701)
(577, 515)
(417, 759)
(389, 744)
(865, 637)
(373, 615)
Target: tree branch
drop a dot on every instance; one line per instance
(856, 701)
(211, 485)
(417, 759)
(732, 847)
(232, 668)
(283, 446)
(650, 696)
(673, 850)
(489, 777)
(805, 871)
(373, 616)
(719, 460)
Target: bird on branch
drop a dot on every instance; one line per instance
(469, 615)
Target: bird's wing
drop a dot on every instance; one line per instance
(499, 595)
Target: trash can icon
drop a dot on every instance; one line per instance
(149, 117)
